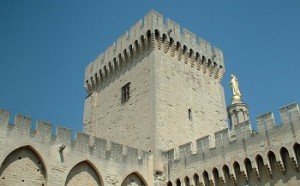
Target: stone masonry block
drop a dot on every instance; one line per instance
(44, 129)
(4, 117)
(289, 113)
(265, 122)
(23, 123)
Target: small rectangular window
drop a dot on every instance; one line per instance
(125, 92)
(190, 114)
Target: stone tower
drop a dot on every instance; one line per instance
(157, 87)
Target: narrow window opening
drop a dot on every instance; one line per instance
(190, 115)
(125, 93)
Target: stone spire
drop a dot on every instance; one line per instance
(237, 111)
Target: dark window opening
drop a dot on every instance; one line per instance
(190, 114)
(125, 92)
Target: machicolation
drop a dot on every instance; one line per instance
(155, 32)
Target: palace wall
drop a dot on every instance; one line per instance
(37, 157)
(269, 156)
(241, 156)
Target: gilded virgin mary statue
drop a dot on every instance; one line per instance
(235, 89)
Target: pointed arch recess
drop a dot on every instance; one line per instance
(27, 158)
(84, 173)
(196, 179)
(272, 159)
(187, 181)
(236, 168)
(134, 177)
(285, 156)
(296, 148)
(216, 175)
(206, 178)
(178, 182)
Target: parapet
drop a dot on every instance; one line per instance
(156, 32)
(289, 113)
(243, 132)
(265, 122)
(82, 142)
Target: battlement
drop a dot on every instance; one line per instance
(240, 154)
(155, 32)
(226, 140)
(91, 145)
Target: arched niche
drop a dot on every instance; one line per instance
(272, 160)
(296, 148)
(260, 163)
(187, 181)
(240, 179)
(134, 179)
(248, 166)
(178, 182)
(284, 153)
(206, 178)
(216, 175)
(237, 168)
(23, 166)
(84, 173)
(227, 175)
(196, 180)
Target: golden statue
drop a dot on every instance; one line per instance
(235, 89)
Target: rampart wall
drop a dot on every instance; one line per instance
(269, 156)
(37, 157)
(241, 156)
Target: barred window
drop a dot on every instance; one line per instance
(125, 93)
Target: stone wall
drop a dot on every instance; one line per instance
(241, 156)
(189, 101)
(269, 156)
(131, 122)
(37, 157)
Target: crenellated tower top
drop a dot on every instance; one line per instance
(142, 36)
(151, 80)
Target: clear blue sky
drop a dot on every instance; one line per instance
(46, 45)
